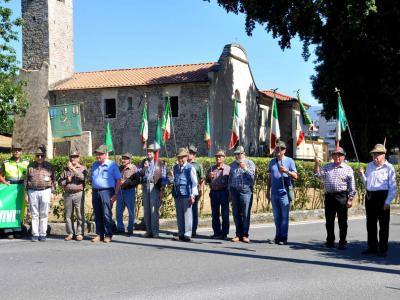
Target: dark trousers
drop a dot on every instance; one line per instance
(195, 214)
(220, 207)
(374, 202)
(101, 201)
(335, 204)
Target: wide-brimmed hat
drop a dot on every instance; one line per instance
(182, 152)
(239, 150)
(103, 149)
(151, 147)
(40, 151)
(339, 150)
(280, 145)
(220, 153)
(73, 153)
(16, 145)
(192, 148)
(127, 155)
(379, 148)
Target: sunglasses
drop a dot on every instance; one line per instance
(39, 156)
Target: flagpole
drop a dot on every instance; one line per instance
(348, 126)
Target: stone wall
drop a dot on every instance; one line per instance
(188, 127)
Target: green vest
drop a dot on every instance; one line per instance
(15, 170)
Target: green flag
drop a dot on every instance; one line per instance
(108, 139)
(341, 121)
(158, 142)
(207, 132)
(12, 205)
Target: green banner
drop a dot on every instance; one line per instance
(65, 120)
(12, 205)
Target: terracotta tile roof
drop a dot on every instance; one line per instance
(137, 77)
(279, 96)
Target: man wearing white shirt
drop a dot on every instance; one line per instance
(380, 182)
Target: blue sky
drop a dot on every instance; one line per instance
(138, 33)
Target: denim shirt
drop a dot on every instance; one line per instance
(242, 178)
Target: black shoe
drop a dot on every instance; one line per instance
(121, 232)
(181, 238)
(35, 239)
(215, 236)
(369, 252)
(342, 245)
(42, 238)
(186, 239)
(382, 253)
(130, 233)
(276, 241)
(223, 237)
(329, 244)
(194, 234)
(282, 242)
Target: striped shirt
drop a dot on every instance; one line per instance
(378, 178)
(338, 178)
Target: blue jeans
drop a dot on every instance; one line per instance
(280, 208)
(220, 206)
(101, 201)
(241, 207)
(195, 214)
(126, 198)
(184, 217)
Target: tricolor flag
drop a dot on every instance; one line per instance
(275, 133)
(166, 122)
(157, 140)
(305, 122)
(108, 138)
(207, 132)
(341, 121)
(144, 126)
(235, 126)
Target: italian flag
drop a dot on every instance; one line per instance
(341, 121)
(157, 141)
(207, 133)
(166, 122)
(275, 133)
(235, 126)
(144, 126)
(305, 122)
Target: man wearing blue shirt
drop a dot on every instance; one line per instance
(241, 182)
(380, 182)
(281, 171)
(184, 180)
(106, 180)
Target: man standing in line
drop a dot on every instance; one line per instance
(184, 180)
(153, 178)
(12, 171)
(217, 178)
(200, 179)
(106, 181)
(73, 182)
(380, 182)
(339, 185)
(40, 184)
(127, 195)
(241, 182)
(282, 170)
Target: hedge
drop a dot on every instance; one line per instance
(308, 189)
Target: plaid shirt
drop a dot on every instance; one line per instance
(239, 178)
(338, 178)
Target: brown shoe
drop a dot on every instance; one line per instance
(96, 239)
(245, 239)
(107, 239)
(68, 237)
(79, 237)
(235, 239)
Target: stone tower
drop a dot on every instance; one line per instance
(47, 57)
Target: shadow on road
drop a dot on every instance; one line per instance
(352, 253)
(298, 246)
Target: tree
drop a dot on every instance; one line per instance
(357, 48)
(12, 97)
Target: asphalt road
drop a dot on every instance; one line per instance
(140, 268)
